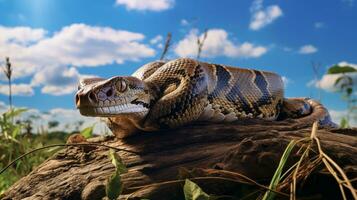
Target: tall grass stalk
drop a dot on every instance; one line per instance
(8, 74)
(167, 46)
(200, 44)
(277, 175)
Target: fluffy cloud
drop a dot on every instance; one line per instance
(57, 80)
(216, 44)
(83, 45)
(308, 49)
(3, 107)
(327, 82)
(152, 5)
(337, 115)
(20, 35)
(184, 22)
(17, 89)
(261, 17)
(344, 63)
(156, 39)
(79, 45)
(286, 80)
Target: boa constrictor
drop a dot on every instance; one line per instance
(182, 91)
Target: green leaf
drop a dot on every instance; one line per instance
(349, 91)
(269, 195)
(15, 112)
(114, 186)
(16, 131)
(117, 162)
(87, 132)
(339, 79)
(336, 69)
(193, 192)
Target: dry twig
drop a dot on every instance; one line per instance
(200, 44)
(167, 46)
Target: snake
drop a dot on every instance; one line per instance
(179, 92)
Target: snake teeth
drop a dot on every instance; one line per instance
(106, 110)
(113, 110)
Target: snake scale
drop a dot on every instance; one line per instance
(182, 91)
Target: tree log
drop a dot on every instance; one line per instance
(250, 147)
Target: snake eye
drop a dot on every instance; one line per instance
(121, 86)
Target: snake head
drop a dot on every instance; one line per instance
(112, 97)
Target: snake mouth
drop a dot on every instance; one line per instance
(111, 111)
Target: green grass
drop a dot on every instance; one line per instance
(269, 195)
(15, 142)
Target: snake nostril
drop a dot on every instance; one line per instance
(109, 93)
(92, 97)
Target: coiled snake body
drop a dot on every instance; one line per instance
(175, 93)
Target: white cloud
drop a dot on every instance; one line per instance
(344, 63)
(160, 46)
(84, 45)
(184, 22)
(78, 45)
(262, 17)
(152, 5)
(216, 44)
(3, 107)
(17, 89)
(308, 49)
(327, 82)
(319, 25)
(57, 80)
(286, 80)
(20, 35)
(156, 39)
(337, 115)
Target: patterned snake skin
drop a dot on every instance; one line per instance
(167, 95)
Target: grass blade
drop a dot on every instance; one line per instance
(269, 195)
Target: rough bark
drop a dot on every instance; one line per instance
(252, 148)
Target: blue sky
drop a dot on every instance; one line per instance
(52, 43)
